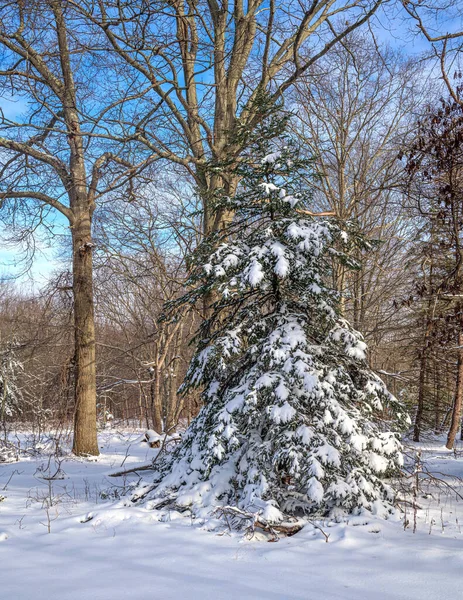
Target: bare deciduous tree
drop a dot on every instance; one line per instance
(53, 157)
(354, 111)
(435, 168)
(210, 67)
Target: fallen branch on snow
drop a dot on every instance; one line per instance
(286, 528)
(149, 467)
(155, 441)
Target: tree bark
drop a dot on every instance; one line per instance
(85, 430)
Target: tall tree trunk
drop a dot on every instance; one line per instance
(424, 364)
(82, 206)
(175, 402)
(155, 391)
(458, 398)
(340, 283)
(438, 387)
(421, 396)
(422, 378)
(216, 221)
(85, 430)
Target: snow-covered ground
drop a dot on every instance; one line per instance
(127, 552)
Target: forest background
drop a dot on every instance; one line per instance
(118, 123)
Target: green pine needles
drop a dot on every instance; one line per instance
(294, 421)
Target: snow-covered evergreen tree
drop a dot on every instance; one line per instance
(10, 397)
(293, 420)
(10, 393)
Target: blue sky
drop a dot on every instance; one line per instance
(45, 260)
(36, 272)
(43, 265)
(11, 107)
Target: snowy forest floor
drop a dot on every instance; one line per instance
(126, 552)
